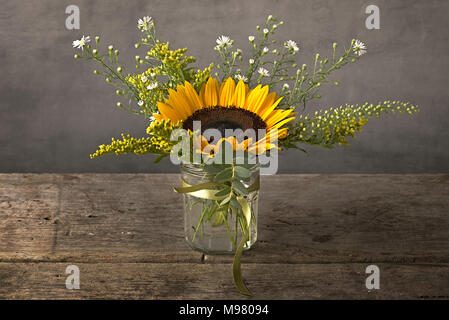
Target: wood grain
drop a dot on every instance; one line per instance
(315, 233)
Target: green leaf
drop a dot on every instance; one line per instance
(224, 175)
(225, 200)
(236, 270)
(235, 203)
(219, 219)
(223, 192)
(213, 168)
(240, 188)
(242, 172)
(197, 187)
(160, 157)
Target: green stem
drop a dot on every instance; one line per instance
(199, 222)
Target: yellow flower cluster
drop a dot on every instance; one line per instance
(200, 76)
(171, 58)
(158, 143)
(129, 144)
(147, 86)
(333, 126)
(161, 132)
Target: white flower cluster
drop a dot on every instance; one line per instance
(224, 42)
(145, 24)
(359, 48)
(79, 44)
(263, 72)
(241, 77)
(291, 45)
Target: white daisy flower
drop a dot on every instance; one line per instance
(263, 72)
(265, 30)
(152, 86)
(285, 86)
(145, 24)
(140, 103)
(359, 48)
(144, 79)
(79, 44)
(224, 41)
(240, 77)
(265, 50)
(291, 45)
(251, 38)
(251, 61)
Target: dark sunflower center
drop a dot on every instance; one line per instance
(223, 119)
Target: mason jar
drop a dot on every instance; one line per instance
(210, 226)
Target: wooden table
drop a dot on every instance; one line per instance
(317, 235)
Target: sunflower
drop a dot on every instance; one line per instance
(228, 106)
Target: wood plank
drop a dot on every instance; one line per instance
(303, 219)
(205, 281)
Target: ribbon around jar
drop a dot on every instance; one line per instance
(206, 191)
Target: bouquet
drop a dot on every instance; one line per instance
(225, 124)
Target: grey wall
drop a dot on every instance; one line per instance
(54, 111)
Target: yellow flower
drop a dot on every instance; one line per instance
(228, 106)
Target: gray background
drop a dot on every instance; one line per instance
(54, 111)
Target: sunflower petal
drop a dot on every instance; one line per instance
(195, 99)
(239, 95)
(251, 96)
(259, 99)
(264, 113)
(227, 93)
(178, 103)
(276, 116)
(281, 123)
(168, 112)
(158, 117)
(211, 93)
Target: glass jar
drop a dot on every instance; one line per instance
(211, 226)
